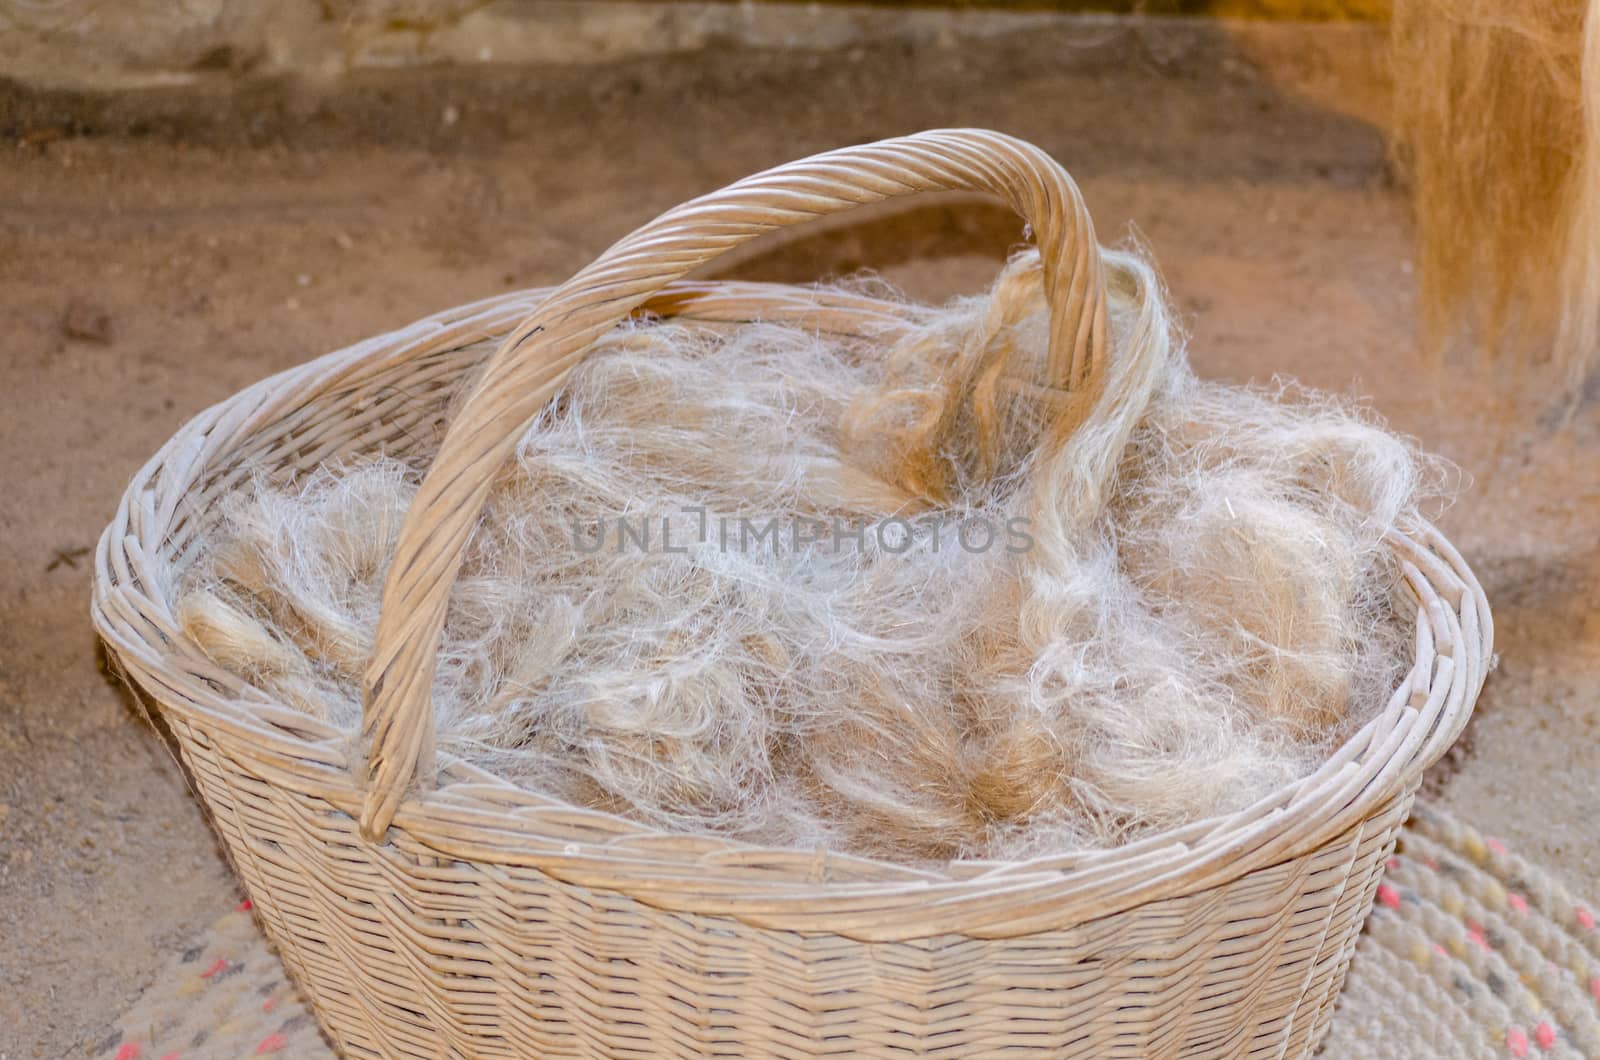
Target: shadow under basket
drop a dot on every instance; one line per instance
(430, 909)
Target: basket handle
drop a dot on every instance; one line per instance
(533, 361)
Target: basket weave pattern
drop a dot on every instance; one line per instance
(431, 909)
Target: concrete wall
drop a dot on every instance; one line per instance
(92, 44)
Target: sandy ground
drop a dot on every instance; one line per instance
(162, 251)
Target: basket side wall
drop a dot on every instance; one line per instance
(400, 951)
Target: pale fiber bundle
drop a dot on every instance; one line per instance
(1497, 125)
(1180, 608)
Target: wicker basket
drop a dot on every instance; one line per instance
(430, 909)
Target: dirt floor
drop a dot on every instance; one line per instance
(162, 251)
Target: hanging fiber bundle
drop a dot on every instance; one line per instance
(1497, 127)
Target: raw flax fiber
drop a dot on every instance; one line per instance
(1180, 608)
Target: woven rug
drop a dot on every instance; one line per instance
(1470, 952)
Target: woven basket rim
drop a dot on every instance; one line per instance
(473, 815)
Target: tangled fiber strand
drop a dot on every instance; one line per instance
(1497, 126)
(803, 590)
